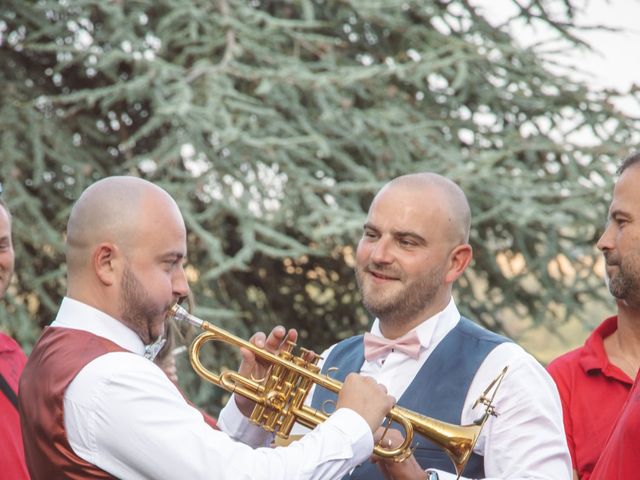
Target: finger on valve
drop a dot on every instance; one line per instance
(256, 368)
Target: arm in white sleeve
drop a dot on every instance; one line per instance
(123, 415)
(526, 440)
(233, 422)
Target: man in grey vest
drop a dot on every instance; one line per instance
(413, 248)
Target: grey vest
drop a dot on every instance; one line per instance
(438, 390)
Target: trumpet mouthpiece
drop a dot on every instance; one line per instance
(179, 314)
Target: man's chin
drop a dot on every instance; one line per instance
(617, 291)
(379, 307)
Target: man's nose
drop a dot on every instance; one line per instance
(382, 251)
(180, 283)
(605, 242)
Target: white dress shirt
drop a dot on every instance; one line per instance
(526, 440)
(124, 415)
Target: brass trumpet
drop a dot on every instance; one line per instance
(280, 395)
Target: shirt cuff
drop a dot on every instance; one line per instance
(356, 429)
(237, 426)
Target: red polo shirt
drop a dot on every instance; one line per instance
(593, 392)
(12, 360)
(619, 459)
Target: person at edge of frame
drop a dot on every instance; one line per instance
(12, 362)
(595, 380)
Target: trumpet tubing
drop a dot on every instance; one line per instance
(281, 394)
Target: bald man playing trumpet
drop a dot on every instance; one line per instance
(93, 403)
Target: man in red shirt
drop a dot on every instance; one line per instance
(619, 459)
(12, 361)
(593, 391)
(594, 380)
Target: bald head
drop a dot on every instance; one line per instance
(114, 209)
(126, 247)
(413, 248)
(427, 188)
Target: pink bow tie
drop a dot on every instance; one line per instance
(376, 347)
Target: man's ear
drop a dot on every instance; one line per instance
(459, 260)
(105, 262)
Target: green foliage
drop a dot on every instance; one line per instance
(274, 122)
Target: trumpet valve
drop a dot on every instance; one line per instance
(288, 346)
(275, 400)
(310, 357)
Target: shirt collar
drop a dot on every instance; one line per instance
(432, 329)
(593, 356)
(80, 316)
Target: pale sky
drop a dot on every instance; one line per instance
(617, 63)
(616, 60)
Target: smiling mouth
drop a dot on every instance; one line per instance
(381, 276)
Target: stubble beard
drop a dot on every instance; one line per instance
(138, 312)
(400, 307)
(625, 284)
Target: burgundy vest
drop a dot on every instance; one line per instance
(54, 362)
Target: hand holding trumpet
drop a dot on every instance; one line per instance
(407, 469)
(252, 366)
(367, 398)
(361, 394)
(279, 397)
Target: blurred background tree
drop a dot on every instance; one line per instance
(273, 123)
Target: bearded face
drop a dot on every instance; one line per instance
(623, 276)
(140, 312)
(388, 292)
(620, 241)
